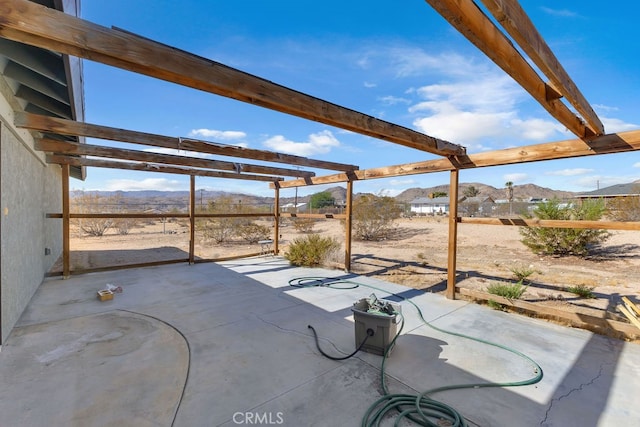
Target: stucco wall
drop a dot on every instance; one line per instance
(29, 189)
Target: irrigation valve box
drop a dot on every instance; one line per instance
(379, 315)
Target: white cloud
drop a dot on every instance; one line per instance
(160, 184)
(393, 100)
(612, 125)
(569, 172)
(515, 177)
(566, 13)
(484, 108)
(318, 143)
(482, 93)
(370, 85)
(408, 61)
(460, 127)
(537, 129)
(226, 135)
(636, 165)
(602, 107)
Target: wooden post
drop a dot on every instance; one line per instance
(347, 226)
(276, 217)
(66, 270)
(192, 218)
(453, 234)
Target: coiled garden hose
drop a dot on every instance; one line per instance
(419, 408)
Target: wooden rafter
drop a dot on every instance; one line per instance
(513, 18)
(152, 167)
(70, 127)
(27, 22)
(471, 22)
(73, 148)
(605, 144)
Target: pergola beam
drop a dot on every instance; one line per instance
(73, 148)
(605, 144)
(471, 22)
(513, 18)
(30, 23)
(152, 167)
(70, 127)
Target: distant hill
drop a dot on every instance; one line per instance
(167, 200)
(520, 192)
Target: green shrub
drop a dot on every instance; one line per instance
(522, 273)
(565, 241)
(583, 291)
(495, 305)
(321, 200)
(507, 290)
(311, 250)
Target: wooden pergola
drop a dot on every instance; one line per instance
(29, 23)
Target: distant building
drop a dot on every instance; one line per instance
(430, 206)
(631, 189)
(292, 207)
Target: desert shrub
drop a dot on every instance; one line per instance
(95, 226)
(565, 241)
(624, 208)
(304, 225)
(91, 203)
(311, 250)
(219, 230)
(582, 291)
(507, 290)
(223, 229)
(522, 273)
(373, 217)
(124, 225)
(253, 232)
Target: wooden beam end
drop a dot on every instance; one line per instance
(551, 93)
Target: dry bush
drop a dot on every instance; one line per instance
(624, 208)
(312, 250)
(304, 225)
(91, 203)
(374, 217)
(253, 232)
(124, 225)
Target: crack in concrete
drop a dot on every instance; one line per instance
(570, 392)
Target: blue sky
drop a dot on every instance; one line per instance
(399, 61)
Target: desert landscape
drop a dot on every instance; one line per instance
(415, 256)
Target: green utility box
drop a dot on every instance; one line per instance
(367, 315)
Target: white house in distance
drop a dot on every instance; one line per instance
(430, 206)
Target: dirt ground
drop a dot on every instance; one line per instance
(416, 256)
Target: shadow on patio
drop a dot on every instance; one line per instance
(228, 344)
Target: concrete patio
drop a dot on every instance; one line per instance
(227, 344)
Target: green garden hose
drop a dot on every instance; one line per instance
(419, 408)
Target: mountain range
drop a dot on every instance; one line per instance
(520, 192)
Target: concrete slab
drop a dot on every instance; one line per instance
(228, 344)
